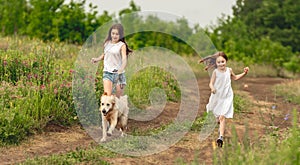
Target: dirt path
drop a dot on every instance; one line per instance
(266, 112)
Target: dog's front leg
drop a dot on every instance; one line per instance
(104, 127)
(112, 124)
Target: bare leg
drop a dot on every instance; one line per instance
(120, 90)
(222, 125)
(222, 130)
(107, 85)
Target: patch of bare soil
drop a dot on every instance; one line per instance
(47, 143)
(265, 112)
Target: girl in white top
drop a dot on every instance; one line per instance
(221, 99)
(115, 59)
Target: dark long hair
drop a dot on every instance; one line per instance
(223, 55)
(210, 61)
(120, 29)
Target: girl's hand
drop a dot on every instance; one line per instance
(94, 60)
(213, 91)
(120, 72)
(246, 69)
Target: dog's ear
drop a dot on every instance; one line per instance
(113, 99)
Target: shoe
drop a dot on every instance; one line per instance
(219, 142)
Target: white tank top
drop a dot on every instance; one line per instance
(112, 56)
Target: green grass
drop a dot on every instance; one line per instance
(290, 91)
(93, 155)
(283, 149)
(36, 87)
(144, 82)
(240, 103)
(267, 150)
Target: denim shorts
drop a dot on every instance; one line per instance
(115, 78)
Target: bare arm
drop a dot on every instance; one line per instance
(212, 82)
(239, 76)
(101, 57)
(124, 59)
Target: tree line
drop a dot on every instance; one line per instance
(52, 20)
(259, 31)
(262, 31)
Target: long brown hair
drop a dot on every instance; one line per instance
(120, 29)
(210, 61)
(222, 54)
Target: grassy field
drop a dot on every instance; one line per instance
(36, 89)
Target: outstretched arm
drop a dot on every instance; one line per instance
(101, 57)
(239, 76)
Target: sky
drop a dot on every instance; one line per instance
(202, 12)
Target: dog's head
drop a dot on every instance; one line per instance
(107, 103)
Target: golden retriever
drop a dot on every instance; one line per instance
(114, 112)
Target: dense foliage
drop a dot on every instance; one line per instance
(264, 32)
(50, 19)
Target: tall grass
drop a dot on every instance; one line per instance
(92, 155)
(268, 150)
(280, 149)
(35, 87)
(141, 85)
(289, 90)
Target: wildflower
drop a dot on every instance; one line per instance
(42, 87)
(286, 117)
(71, 71)
(55, 91)
(29, 76)
(273, 107)
(68, 85)
(25, 63)
(4, 62)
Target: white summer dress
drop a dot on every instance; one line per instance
(221, 103)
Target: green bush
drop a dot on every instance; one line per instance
(240, 104)
(35, 88)
(142, 84)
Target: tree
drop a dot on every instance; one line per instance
(260, 32)
(41, 18)
(70, 22)
(12, 16)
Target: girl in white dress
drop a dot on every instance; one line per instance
(221, 99)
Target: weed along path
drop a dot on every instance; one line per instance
(264, 111)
